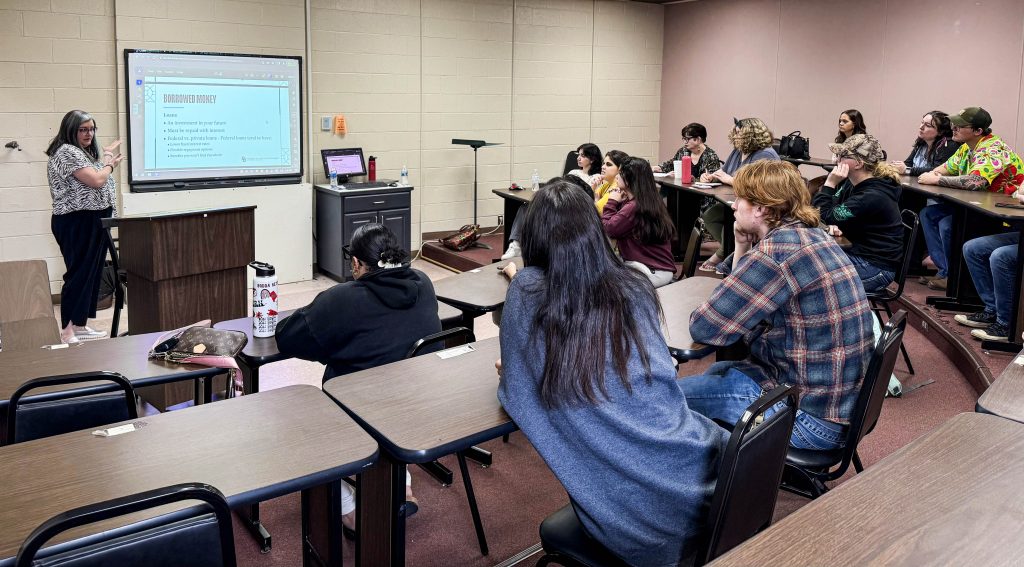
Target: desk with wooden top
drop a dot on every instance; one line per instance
(259, 351)
(825, 163)
(251, 448)
(477, 291)
(1005, 396)
(951, 497)
(418, 410)
(514, 202)
(684, 204)
(678, 301)
(125, 355)
(975, 214)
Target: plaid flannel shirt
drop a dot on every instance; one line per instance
(802, 283)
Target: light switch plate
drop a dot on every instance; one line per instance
(325, 123)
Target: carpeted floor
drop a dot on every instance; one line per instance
(519, 490)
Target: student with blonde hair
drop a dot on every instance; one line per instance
(752, 141)
(794, 295)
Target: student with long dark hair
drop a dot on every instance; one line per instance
(850, 122)
(588, 158)
(81, 177)
(933, 147)
(586, 374)
(636, 217)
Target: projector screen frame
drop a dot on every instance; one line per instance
(215, 182)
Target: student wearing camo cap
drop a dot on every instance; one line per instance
(860, 200)
(982, 163)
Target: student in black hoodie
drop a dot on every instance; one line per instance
(364, 323)
(860, 200)
(367, 322)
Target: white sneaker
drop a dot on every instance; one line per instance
(513, 251)
(69, 340)
(86, 333)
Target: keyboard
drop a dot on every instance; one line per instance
(367, 185)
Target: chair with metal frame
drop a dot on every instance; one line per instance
(886, 295)
(194, 537)
(743, 502)
(435, 468)
(570, 162)
(120, 278)
(62, 412)
(691, 254)
(808, 470)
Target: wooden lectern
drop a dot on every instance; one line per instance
(182, 268)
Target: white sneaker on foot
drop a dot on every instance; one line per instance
(513, 251)
(86, 333)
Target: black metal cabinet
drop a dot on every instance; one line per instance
(339, 212)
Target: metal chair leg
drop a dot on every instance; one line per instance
(471, 496)
(857, 465)
(903, 345)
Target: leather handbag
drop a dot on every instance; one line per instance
(795, 146)
(200, 344)
(464, 238)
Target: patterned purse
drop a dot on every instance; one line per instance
(462, 239)
(205, 346)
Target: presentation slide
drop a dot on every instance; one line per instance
(200, 120)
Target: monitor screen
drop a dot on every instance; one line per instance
(202, 119)
(347, 162)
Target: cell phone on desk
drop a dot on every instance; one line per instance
(1010, 205)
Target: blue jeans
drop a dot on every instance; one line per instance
(724, 393)
(937, 225)
(873, 277)
(992, 261)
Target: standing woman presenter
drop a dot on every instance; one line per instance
(81, 177)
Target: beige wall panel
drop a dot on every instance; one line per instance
(719, 62)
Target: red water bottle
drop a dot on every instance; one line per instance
(372, 167)
(686, 175)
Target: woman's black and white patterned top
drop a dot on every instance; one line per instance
(69, 194)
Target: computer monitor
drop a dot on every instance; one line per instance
(346, 162)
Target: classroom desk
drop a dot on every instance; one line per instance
(825, 163)
(514, 201)
(418, 410)
(678, 301)
(475, 292)
(975, 214)
(684, 202)
(1005, 396)
(951, 497)
(124, 355)
(251, 448)
(259, 351)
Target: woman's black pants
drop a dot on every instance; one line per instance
(83, 243)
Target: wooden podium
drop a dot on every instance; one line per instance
(182, 268)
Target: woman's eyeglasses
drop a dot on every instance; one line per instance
(87, 130)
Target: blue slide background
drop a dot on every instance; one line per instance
(248, 126)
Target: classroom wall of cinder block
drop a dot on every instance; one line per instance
(538, 77)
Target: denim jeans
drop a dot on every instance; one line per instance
(873, 277)
(937, 225)
(724, 393)
(992, 261)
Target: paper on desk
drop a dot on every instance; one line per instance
(1019, 361)
(456, 351)
(659, 174)
(119, 430)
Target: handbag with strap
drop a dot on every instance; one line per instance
(464, 238)
(794, 145)
(203, 345)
